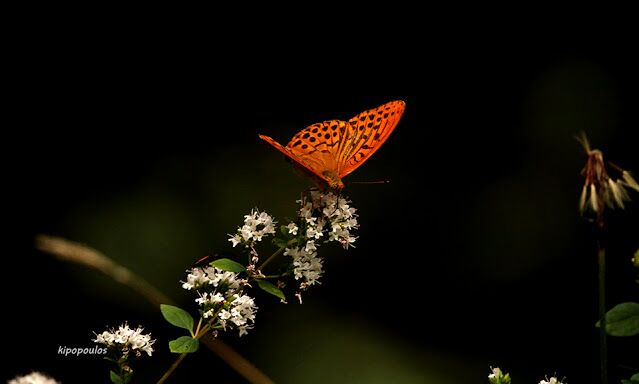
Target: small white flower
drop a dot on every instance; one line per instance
(209, 313)
(224, 314)
(306, 211)
(292, 229)
(496, 373)
(310, 246)
(33, 378)
(210, 298)
(195, 279)
(313, 233)
(552, 380)
(243, 330)
(235, 239)
(126, 338)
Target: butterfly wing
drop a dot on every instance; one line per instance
(308, 163)
(332, 149)
(318, 145)
(365, 133)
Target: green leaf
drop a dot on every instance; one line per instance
(177, 316)
(184, 344)
(271, 288)
(228, 265)
(284, 230)
(635, 260)
(623, 320)
(115, 378)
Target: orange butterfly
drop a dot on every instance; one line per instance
(330, 150)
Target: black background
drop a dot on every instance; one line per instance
(145, 147)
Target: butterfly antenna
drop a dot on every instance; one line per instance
(371, 182)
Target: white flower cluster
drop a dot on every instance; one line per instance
(324, 216)
(33, 378)
(241, 311)
(221, 297)
(552, 380)
(127, 339)
(327, 214)
(199, 278)
(256, 225)
(306, 264)
(339, 214)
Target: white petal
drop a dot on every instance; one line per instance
(630, 181)
(593, 198)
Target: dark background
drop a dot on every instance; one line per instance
(145, 147)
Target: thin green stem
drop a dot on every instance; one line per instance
(271, 277)
(270, 258)
(198, 335)
(197, 329)
(204, 331)
(603, 345)
(172, 368)
(275, 254)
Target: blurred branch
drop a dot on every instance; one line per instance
(73, 252)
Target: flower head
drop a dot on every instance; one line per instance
(212, 278)
(600, 190)
(498, 377)
(32, 378)
(126, 339)
(328, 216)
(306, 265)
(221, 299)
(256, 226)
(240, 314)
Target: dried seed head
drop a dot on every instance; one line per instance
(599, 189)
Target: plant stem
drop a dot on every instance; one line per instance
(271, 276)
(70, 251)
(603, 345)
(73, 252)
(275, 254)
(270, 258)
(172, 368)
(198, 335)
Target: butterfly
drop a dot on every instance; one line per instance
(330, 150)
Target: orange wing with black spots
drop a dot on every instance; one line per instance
(367, 132)
(332, 149)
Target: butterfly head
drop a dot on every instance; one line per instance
(336, 185)
(333, 181)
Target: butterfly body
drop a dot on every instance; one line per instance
(330, 150)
